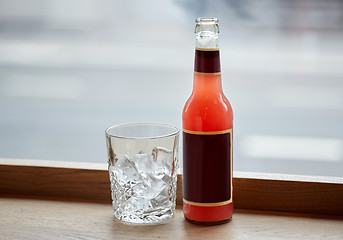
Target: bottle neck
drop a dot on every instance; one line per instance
(207, 79)
(207, 85)
(207, 76)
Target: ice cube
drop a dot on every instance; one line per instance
(153, 185)
(161, 200)
(137, 205)
(144, 163)
(164, 159)
(125, 170)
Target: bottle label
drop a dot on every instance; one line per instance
(207, 61)
(207, 168)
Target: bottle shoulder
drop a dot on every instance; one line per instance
(217, 102)
(207, 113)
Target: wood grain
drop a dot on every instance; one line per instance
(288, 196)
(53, 182)
(257, 191)
(39, 219)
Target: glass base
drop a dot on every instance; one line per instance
(147, 221)
(209, 223)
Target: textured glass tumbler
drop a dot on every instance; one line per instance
(142, 164)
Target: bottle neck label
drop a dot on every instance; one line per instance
(207, 61)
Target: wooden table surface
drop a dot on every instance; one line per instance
(22, 218)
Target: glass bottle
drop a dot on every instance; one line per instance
(207, 135)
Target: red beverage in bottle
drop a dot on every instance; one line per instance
(207, 135)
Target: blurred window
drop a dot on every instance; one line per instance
(69, 69)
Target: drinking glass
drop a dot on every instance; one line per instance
(142, 164)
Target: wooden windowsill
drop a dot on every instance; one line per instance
(90, 182)
(42, 219)
(267, 206)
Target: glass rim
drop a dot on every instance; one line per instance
(173, 133)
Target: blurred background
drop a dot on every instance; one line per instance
(71, 68)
